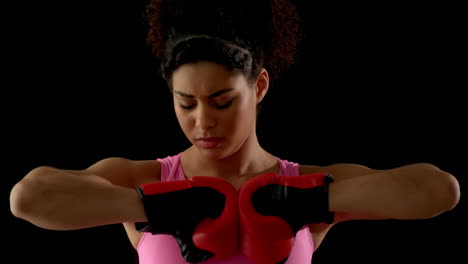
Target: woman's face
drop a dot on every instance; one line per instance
(215, 108)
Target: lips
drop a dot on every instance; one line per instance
(209, 142)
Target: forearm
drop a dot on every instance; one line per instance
(411, 192)
(57, 200)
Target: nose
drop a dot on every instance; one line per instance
(205, 117)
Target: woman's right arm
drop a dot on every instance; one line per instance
(102, 194)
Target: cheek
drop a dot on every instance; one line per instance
(184, 120)
(243, 115)
(248, 107)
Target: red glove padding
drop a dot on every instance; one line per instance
(273, 208)
(201, 213)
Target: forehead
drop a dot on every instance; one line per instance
(205, 78)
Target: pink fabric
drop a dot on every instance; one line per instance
(163, 249)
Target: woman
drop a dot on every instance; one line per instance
(219, 59)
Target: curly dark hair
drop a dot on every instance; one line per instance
(244, 35)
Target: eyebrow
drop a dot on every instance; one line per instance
(218, 93)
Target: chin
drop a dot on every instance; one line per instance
(217, 153)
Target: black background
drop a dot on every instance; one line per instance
(379, 84)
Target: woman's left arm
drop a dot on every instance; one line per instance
(415, 191)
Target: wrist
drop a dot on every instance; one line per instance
(130, 205)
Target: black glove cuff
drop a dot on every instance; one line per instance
(328, 217)
(143, 226)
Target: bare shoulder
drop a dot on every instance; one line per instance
(126, 172)
(339, 171)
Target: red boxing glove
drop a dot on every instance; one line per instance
(273, 208)
(200, 213)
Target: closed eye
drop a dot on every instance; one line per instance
(187, 106)
(224, 106)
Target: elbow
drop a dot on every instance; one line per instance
(27, 195)
(21, 200)
(445, 192)
(452, 192)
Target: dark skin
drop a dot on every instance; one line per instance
(210, 101)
